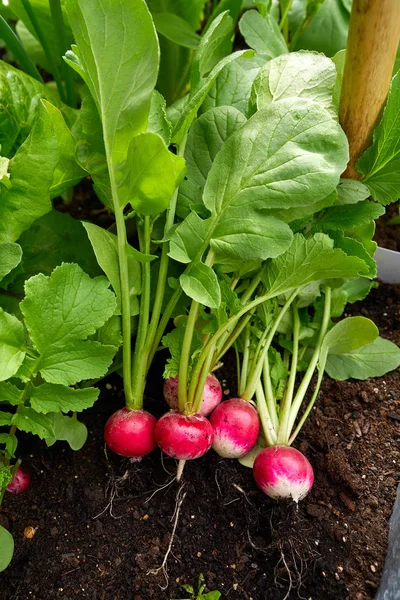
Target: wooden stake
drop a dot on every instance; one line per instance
(374, 35)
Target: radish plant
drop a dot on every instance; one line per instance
(126, 151)
(65, 333)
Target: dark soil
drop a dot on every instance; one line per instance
(101, 528)
(386, 234)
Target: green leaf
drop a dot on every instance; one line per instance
(354, 248)
(205, 139)
(117, 55)
(176, 30)
(12, 343)
(31, 172)
(68, 172)
(351, 191)
(20, 102)
(262, 34)
(173, 341)
(150, 174)
(91, 153)
(372, 360)
(233, 85)
(50, 397)
(76, 361)
(54, 238)
(10, 393)
(27, 419)
(339, 59)
(295, 75)
(11, 442)
(328, 29)
(309, 260)
(349, 215)
(201, 284)
(68, 429)
(10, 257)
(348, 335)
(289, 153)
(214, 46)
(158, 120)
(105, 246)
(110, 333)
(191, 108)
(380, 163)
(5, 418)
(6, 548)
(66, 306)
(42, 12)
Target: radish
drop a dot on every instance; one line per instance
(130, 432)
(236, 427)
(19, 483)
(212, 395)
(185, 437)
(283, 472)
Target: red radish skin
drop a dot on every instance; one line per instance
(19, 483)
(211, 398)
(130, 432)
(184, 437)
(283, 472)
(236, 428)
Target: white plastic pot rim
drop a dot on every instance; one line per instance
(388, 262)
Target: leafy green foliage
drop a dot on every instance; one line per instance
(262, 34)
(205, 139)
(176, 29)
(27, 419)
(173, 341)
(123, 101)
(310, 260)
(48, 397)
(202, 285)
(372, 360)
(380, 163)
(327, 31)
(68, 429)
(150, 174)
(10, 257)
(296, 75)
(12, 342)
(105, 246)
(7, 548)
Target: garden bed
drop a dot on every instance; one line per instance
(332, 546)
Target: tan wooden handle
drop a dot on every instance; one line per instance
(374, 35)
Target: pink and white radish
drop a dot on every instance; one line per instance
(130, 432)
(236, 427)
(19, 483)
(184, 437)
(283, 472)
(212, 395)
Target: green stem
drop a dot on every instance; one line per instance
(245, 360)
(153, 334)
(185, 356)
(284, 24)
(252, 384)
(231, 338)
(43, 41)
(197, 398)
(309, 407)
(269, 393)
(288, 397)
(14, 44)
(59, 27)
(265, 417)
(125, 294)
(139, 363)
(303, 387)
(167, 314)
(237, 356)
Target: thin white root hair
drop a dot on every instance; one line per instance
(163, 568)
(114, 484)
(159, 489)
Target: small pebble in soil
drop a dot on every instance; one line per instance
(29, 532)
